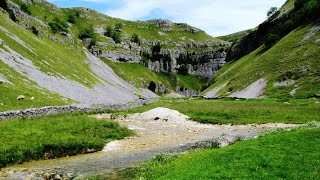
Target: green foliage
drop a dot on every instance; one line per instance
(116, 36)
(118, 27)
(54, 136)
(272, 11)
(25, 8)
(227, 111)
(57, 25)
(113, 33)
(183, 69)
(72, 18)
(271, 39)
(289, 54)
(35, 30)
(135, 38)
(280, 155)
(86, 32)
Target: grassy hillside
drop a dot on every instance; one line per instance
(292, 58)
(235, 37)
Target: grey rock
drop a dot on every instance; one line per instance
(21, 97)
(160, 22)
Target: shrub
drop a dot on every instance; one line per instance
(152, 86)
(57, 25)
(109, 31)
(71, 18)
(272, 11)
(25, 8)
(86, 32)
(114, 34)
(135, 38)
(35, 30)
(118, 27)
(183, 69)
(272, 39)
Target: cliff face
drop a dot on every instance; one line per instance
(204, 64)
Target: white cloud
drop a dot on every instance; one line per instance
(217, 17)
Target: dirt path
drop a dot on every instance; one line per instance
(157, 131)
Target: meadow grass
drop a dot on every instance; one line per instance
(54, 136)
(225, 111)
(280, 155)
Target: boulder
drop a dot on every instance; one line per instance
(21, 97)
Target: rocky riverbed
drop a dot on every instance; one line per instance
(158, 131)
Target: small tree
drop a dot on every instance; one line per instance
(25, 8)
(272, 11)
(35, 30)
(135, 38)
(86, 32)
(118, 27)
(71, 18)
(57, 25)
(116, 36)
(183, 69)
(109, 31)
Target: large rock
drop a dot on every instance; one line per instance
(21, 97)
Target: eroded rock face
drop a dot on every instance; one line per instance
(204, 64)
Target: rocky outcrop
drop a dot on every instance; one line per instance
(160, 22)
(187, 92)
(204, 64)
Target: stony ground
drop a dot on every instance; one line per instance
(158, 131)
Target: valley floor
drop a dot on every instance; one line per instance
(156, 133)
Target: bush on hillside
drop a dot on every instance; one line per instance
(86, 32)
(57, 25)
(25, 8)
(118, 27)
(272, 11)
(35, 30)
(113, 33)
(183, 69)
(71, 18)
(135, 38)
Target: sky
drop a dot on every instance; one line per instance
(216, 17)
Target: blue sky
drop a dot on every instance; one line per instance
(216, 17)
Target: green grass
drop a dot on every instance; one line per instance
(235, 37)
(281, 155)
(54, 136)
(10, 92)
(241, 112)
(142, 76)
(289, 55)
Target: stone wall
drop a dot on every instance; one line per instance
(51, 110)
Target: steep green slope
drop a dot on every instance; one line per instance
(289, 65)
(293, 58)
(235, 37)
